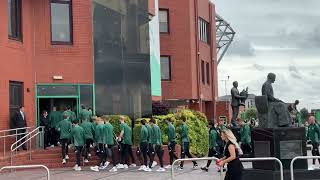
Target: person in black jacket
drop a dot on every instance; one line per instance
(44, 121)
(20, 121)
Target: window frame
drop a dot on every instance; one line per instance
(208, 72)
(203, 77)
(18, 27)
(168, 21)
(204, 29)
(169, 62)
(70, 3)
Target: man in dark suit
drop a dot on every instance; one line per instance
(20, 121)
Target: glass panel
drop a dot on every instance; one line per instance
(86, 96)
(202, 72)
(208, 73)
(9, 18)
(122, 57)
(60, 22)
(165, 68)
(163, 20)
(46, 90)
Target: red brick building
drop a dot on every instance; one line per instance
(188, 54)
(31, 55)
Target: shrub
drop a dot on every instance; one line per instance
(114, 120)
(160, 108)
(251, 113)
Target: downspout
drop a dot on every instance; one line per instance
(212, 53)
(197, 52)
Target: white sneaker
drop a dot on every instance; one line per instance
(75, 167)
(95, 168)
(107, 163)
(64, 161)
(102, 167)
(168, 167)
(120, 166)
(114, 169)
(89, 155)
(86, 161)
(67, 157)
(52, 146)
(161, 170)
(317, 167)
(147, 169)
(154, 163)
(78, 168)
(133, 165)
(142, 168)
(125, 166)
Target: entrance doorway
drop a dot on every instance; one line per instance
(47, 104)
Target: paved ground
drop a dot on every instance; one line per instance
(132, 174)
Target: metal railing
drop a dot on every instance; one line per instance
(297, 158)
(27, 167)
(194, 159)
(5, 134)
(27, 138)
(266, 159)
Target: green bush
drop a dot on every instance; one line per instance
(114, 120)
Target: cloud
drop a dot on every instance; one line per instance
(258, 67)
(241, 47)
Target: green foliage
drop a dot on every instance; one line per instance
(114, 120)
(304, 114)
(251, 113)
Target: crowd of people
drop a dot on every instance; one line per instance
(96, 132)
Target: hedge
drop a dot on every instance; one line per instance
(197, 126)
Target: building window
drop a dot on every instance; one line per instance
(208, 73)
(61, 22)
(14, 19)
(203, 72)
(15, 98)
(203, 30)
(164, 20)
(165, 68)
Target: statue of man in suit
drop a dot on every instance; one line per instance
(237, 100)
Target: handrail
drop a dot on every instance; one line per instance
(16, 134)
(28, 166)
(19, 141)
(194, 159)
(266, 159)
(37, 131)
(8, 130)
(300, 157)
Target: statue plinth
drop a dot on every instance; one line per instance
(282, 143)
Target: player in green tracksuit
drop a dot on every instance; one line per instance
(109, 143)
(144, 134)
(77, 134)
(213, 135)
(313, 135)
(54, 118)
(156, 141)
(171, 142)
(220, 126)
(71, 114)
(185, 144)
(245, 134)
(64, 127)
(88, 128)
(125, 140)
(99, 139)
(84, 114)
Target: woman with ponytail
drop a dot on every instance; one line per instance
(232, 151)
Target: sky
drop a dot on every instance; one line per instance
(279, 36)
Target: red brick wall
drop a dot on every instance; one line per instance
(181, 45)
(35, 60)
(224, 109)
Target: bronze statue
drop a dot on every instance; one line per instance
(238, 99)
(275, 112)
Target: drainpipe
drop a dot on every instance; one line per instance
(197, 52)
(212, 53)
